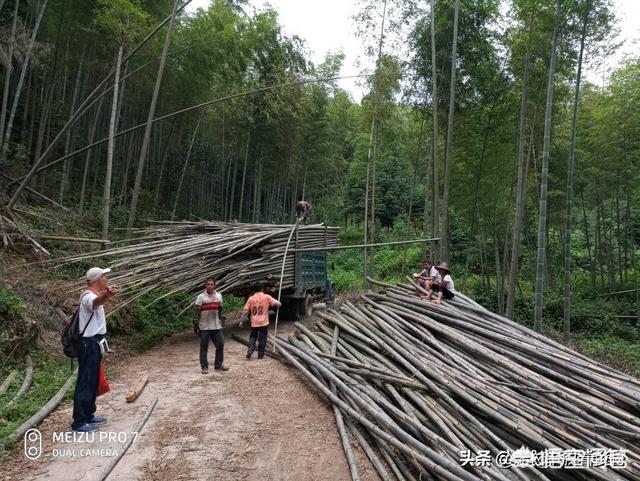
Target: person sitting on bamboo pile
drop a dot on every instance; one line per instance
(303, 209)
(256, 309)
(209, 324)
(445, 287)
(427, 276)
(93, 326)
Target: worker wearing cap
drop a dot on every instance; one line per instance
(257, 309)
(93, 326)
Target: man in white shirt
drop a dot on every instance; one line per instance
(428, 275)
(93, 327)
(209, 326)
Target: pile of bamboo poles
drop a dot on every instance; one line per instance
(178, 256)
(418, 384)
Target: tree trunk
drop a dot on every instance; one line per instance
(233, 189)
(592, 264)
(92, 133)
(449, 146)
(371, 161)
(147, 130)
(23, 73)
(499, 281)
(9, 69)
(572, 151)
(162, 165)
(411, 195)
(521, 182)
(42, 124)
(111, 145)
(372, 236)
(542, 224)
(435, 254)
(184, 168)
(244, 174)
(67, 145)
(255, 192)
(131, 151)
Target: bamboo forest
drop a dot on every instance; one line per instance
(175, 141)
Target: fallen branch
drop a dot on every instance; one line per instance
(138, 430)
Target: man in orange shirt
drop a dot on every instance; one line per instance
(257, 309)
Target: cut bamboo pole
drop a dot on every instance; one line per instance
(7, 382)
(26, 384)
(491, 384)
(45, 410)
(134, 393)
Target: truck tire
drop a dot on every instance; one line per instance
(308, 305)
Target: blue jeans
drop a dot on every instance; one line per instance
(84, 399)
(218, 341)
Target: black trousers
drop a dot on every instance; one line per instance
(218, 341)
(84, 399)
(259, 334)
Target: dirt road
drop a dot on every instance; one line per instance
(258, 421)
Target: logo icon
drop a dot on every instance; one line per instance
(33, 443)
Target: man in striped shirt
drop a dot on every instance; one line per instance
(209, 326)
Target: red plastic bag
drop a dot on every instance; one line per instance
(103, 384)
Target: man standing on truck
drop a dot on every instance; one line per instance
(209, 324)
(303, 209)
(257, 310)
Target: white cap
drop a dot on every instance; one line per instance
(94, 273)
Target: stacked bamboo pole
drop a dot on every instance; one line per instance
(178, 256)
(417, 384)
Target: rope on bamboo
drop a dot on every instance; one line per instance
(284, 260)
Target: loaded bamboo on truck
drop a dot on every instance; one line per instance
(172, 257)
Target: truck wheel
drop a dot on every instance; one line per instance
(299, 309)
(308, 306)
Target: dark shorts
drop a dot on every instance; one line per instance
(447, 294)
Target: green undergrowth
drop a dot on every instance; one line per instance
(11, 305)
(49, 374)
(614, 351)
(392, 263)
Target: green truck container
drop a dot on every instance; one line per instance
(311, 285)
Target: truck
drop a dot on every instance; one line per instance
(311, 285)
